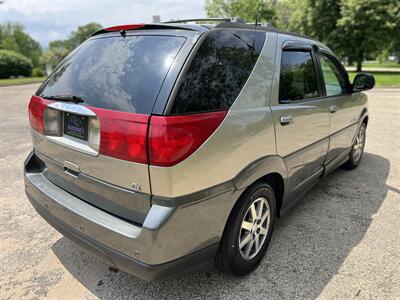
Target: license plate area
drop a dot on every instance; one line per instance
(76, 126)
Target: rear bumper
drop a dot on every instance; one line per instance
(197, 261)
(171, 241)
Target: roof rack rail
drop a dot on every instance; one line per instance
(200, 20)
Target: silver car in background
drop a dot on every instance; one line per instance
(166, 148)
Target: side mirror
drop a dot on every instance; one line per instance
(363, 82)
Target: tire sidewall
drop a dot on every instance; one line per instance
(357, 162)
(239, 265)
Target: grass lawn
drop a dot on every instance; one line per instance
(5, 82)
(376, 64)
(383, 79)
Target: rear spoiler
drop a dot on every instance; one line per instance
(141, 26)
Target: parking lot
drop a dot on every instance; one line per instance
(342, 241)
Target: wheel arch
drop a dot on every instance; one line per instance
(278, 185)
(365, 120)
(270, 169)
(363, 117)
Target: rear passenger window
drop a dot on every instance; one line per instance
(298, 79)
(218, 71)
(335, 83)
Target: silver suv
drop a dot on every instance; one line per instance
(163, 148)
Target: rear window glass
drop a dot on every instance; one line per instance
(123, 74)
(218, 71)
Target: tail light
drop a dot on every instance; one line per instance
(36, 108)
(174, 138)
(52, 122)
(123, 135)
(94, 134)
(169, 139)
(156, 140)
(125, 27)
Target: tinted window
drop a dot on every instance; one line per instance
(116, 73)
(335, 83)
(298, 79)
(218, 71)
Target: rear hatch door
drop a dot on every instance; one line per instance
(100, 99)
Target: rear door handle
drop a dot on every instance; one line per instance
(333, 109)
(286, 120)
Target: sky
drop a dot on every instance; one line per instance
(47, 20)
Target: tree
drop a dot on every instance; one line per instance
(395, 40)
(245, 9)
(365, 27)
(316, 18)
(14, 64)
(354, 29)
(284, 10)
(14, 38)
(323, 18)
(59, 49)
(52, 57)
(80, 35)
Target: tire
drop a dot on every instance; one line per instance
(230, 257)
(357, 149)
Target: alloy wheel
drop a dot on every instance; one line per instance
(254, 228)
(359, 144)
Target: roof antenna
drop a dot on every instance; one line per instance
(255, 25)
(257, 15)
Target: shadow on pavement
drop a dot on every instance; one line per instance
(308, 246)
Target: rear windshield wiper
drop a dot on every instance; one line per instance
(66, 98)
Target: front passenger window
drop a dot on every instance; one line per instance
(298, 79)
(335, 83)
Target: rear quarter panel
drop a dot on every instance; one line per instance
(246, 134)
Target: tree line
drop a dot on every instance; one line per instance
(355, 29)
(21, 55)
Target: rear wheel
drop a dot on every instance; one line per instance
(248, 231)
(357, 149)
